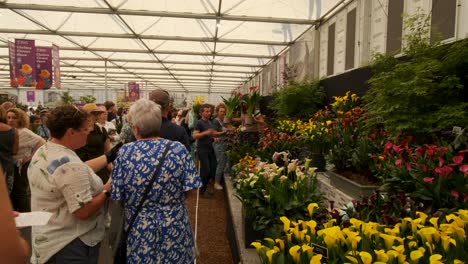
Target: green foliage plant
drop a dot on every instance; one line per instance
(87, 99)
(299, 99)
(422, 93)
(231, 103)
(66, 98)
(251, 99)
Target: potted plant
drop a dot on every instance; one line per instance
(313, 136)
(268, 191)
(251, 100)
(432, 175)
(231, 104)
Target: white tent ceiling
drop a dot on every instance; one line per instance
(209, 46)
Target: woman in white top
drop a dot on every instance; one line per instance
(68, 188)
(29, 142)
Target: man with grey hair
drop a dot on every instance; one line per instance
(169, 130)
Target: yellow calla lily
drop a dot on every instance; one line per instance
(294, 252)
(270, 254)
(352, 259)
(388, 239)
(415, 255)
(381, 255)
(435, 222)
(286, 223)
(365, 257)
(307, 249)
(435, 259)
(280, 242)
(312, 225)
(311, 208)
(258, 246)
(270, 242)
(316, 259)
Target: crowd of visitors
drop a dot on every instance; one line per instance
(71, 160)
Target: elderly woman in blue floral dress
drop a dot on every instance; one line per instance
(161, 232)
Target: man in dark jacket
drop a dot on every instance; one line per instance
(169, 130)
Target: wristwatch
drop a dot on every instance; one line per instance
(106, 193)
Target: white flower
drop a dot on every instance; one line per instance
(292, 167)
(273, 167)
(252, 183)
(283, 178)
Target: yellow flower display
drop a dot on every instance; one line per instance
(428, 242)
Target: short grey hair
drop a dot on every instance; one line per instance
(145, 115)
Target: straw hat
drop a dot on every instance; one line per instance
(92, 107)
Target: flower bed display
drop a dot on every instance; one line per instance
(418, 240)
(268, 191)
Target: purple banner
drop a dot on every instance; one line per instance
(43, 68)
(25, 62)
(133, 91)
(56, 66)
(12, 57)
(31, 96)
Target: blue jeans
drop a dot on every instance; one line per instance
(220, 154)
(76, 252)
(207, 167)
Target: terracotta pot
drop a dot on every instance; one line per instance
(227, 120)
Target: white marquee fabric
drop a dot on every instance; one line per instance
(209, 46)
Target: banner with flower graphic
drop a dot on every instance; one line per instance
(43, 68)
(25, 59)
(133, 91)
(32, 66)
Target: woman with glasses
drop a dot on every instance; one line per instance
(68, 188)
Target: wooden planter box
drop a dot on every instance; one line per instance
(350, 187)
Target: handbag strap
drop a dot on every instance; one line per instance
(148, 188)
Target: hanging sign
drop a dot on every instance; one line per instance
(31, 96)
(133, 91)
(25, 55)
(56, 66)
(43, 68)
(12, 60)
